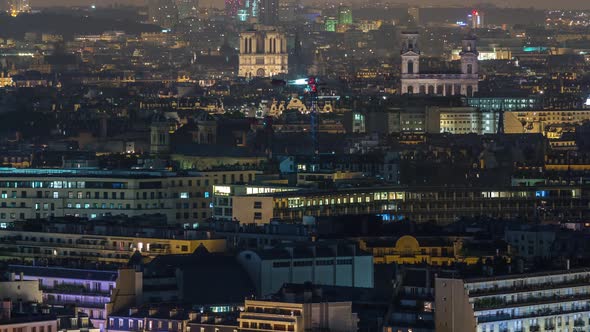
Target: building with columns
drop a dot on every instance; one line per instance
(413, 81)
(263, 54)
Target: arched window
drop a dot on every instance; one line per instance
(422, 89)
(410, 89)
(469, 69)
(410, 67)
(469, 91)
(431, 89)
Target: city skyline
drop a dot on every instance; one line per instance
(543, 4)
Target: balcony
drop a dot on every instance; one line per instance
(579, 323)
(532, 287)
(534, 328)
(536, 313)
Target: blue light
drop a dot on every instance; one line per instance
(541, 193)
(207, 194)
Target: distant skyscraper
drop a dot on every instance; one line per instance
(344, 15)
(232, 7)
(475, 19)
(269, 12)
(414, 13)
(187, 8)
(248, 9)
(163, 13)
(15, 7)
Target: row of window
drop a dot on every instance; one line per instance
(319, 262)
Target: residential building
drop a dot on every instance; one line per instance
(99, 242)
(97, 293)
(543, 301)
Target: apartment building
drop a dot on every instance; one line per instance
(82, 243)
(43, 193)
(96, 293)
(535, 302)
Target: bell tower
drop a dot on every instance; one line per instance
(469, 53)
(410, 53)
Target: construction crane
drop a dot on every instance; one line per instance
(311, 85)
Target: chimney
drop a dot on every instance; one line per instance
(567, 264)
(22, 276)
(132, 311)
(152, 311)
(192, 315)
(12, 276)
(6, 312)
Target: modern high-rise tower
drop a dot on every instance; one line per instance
(232, 7)
(16, 7)
(269, 12)
(187, 8)
(163, 13)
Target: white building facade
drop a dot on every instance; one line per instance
(546, 301)
(413, 81)
(263, 54)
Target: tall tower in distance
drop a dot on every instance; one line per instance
(16, 7)
(187, 8)
(163, 13)
(344, 15)
(232, 7)
(475, 19)
(269, 12)
(414, 13)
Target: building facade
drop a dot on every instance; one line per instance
(548, 301)
(44, 193)
(444, 205)
(263, 54)
(321, 264)
(96, 293)
(413, 81)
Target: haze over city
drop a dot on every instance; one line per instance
(294, 166)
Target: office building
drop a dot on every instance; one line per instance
(45, 193)
(414, 82)
(263, 54)
(513, 103)
(187, 8)
(223, 206)
(414, 13)
(269, 12)
(475, 19)
(163, 13)
(539, 121)
(421, 204)
(17, 7)
(319, 263)
(232, 7)
(344, 15)
(544, 301)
